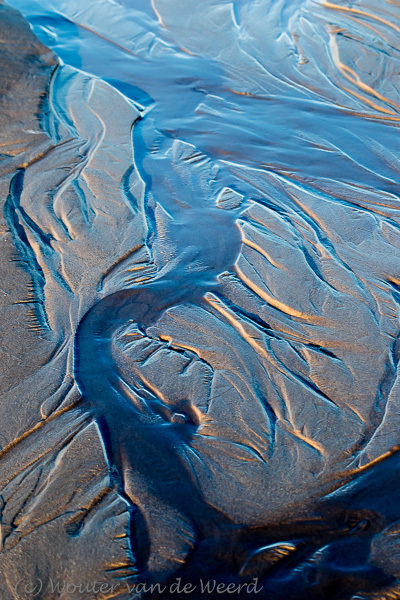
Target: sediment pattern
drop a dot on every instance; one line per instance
(201, 347)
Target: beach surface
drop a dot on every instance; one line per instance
(199, 299)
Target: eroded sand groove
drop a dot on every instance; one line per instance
(210, 382)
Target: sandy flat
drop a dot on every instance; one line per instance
(200, 300)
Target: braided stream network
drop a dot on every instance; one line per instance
(201, 209)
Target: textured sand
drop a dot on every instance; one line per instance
(200, 300)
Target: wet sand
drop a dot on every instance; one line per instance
(200, 300)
